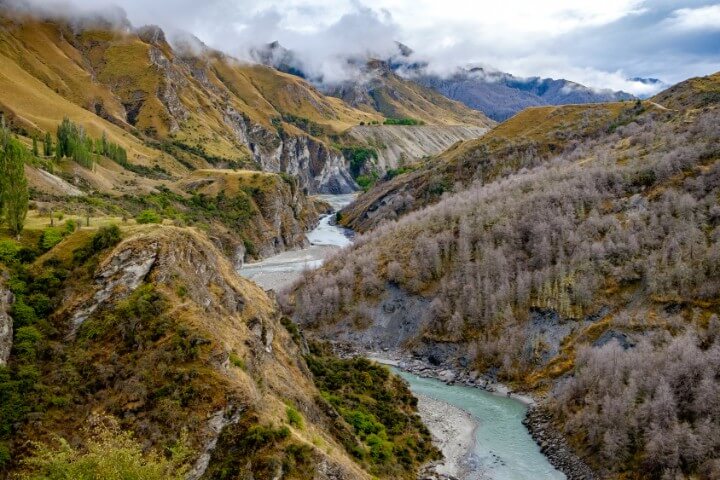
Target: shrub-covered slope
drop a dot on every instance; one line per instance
(528, 139)
(591, 276)
(151, 327)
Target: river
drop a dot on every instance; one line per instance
(502, 448)
(281, 270)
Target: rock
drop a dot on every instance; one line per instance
(553, 446)
(120, 275)
(317, 168)
(218, 421)
(6, 325)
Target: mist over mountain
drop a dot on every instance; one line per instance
(497, 94)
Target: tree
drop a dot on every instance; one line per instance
(14, 191)
(48, 144)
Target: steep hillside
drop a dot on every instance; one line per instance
(151, 328)
(526, 140)
(501, 95)
(191, 104)
(590, 279)
(248, 214)
(268, 211)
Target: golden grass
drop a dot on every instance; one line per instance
(39, 108)
(232, 181)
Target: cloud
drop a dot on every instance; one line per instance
(689, 19)
(599, 44)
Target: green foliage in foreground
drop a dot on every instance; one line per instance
(110, 454)
(251, 449)
(380, 409)
(23, 390)
(294, 417)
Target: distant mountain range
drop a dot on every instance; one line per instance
(498, 95)
(501, 95)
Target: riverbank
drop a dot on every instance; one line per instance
(536, 420)
(453, 432)
(553, 445)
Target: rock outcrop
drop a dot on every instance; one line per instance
(6, 324)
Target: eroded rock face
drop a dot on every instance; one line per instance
(217, 422)
(6, 324)
(118, 277)
(401, 144)
(317, 168)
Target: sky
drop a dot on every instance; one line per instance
(599, 43)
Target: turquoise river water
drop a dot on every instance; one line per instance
(504, 449)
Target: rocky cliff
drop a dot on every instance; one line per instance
(150, 329)
(398, 145)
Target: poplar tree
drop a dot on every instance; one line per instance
(48, 144)
(14, 190)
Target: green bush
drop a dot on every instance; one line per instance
(359, 158)
(26, 344)
(394, 172)
(4, 455)
(71, 225)
(237, 361)
(403, 121)
(148, 216)
(22, 313)
(294, 417)
(50, 237)
(366, 181)
(104, 238)
(8, 250)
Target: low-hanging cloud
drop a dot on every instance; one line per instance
(598, 44)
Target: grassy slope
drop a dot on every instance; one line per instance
(112, 72)
(695, 93)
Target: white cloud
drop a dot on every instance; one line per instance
(597, 43)
(702, 18)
